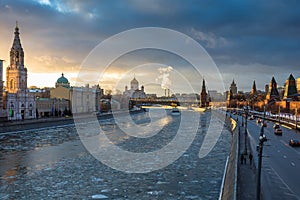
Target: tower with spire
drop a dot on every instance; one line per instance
(203, 96)
(290, 88)
(16, 72)
(273, 94)
(19, 102)
(253, 90)
(233, 87)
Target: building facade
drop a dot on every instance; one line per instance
(2, 110)
(81, 99)
(20, 103)
(47, 107)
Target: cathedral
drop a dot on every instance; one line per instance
(18, 101)
(134, 91)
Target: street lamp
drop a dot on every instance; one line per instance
(11, 111)
(279, 114)
(246, 116)
(262, 139)
(296, 112)
(242, 120)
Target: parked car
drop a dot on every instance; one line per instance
(278, 131)
(294, 143)
(276, 126)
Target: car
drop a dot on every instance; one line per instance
(251, 117)
(258, 121)
(278, 131)
(265, 124)
(294, 143)
(276, 126)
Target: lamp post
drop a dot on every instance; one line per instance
(279, 114)
(242, 120)
(11, 106)
(246, 135)
(296, 112)
(262, 139)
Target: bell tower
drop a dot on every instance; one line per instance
(16, 73)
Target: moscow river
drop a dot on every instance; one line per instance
(52, 163)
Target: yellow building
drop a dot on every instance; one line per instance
(82, 99)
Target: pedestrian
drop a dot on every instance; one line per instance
(250, 158)
(242, 158)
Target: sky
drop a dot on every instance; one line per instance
(247, 40)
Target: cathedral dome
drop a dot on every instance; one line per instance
(62, 81)
(134, 81)
(134, 84)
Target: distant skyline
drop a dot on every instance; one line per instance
(248, 40)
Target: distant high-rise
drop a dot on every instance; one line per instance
(203, 95)
(233, 87)
(273, 94)
(290, 88)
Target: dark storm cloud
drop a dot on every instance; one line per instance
(237, 33)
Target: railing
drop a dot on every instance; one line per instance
(284, 118)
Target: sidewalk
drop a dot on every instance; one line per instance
(246, 172)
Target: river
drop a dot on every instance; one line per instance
(53, 163)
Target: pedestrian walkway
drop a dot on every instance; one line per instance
(246, 172)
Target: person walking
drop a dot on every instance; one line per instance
(250, 158)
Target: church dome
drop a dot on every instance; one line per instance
(134, 81)
(62, 81)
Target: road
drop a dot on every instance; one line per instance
(281, 162)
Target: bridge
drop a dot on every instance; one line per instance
(164, 101)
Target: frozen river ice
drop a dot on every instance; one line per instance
(52, 163)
